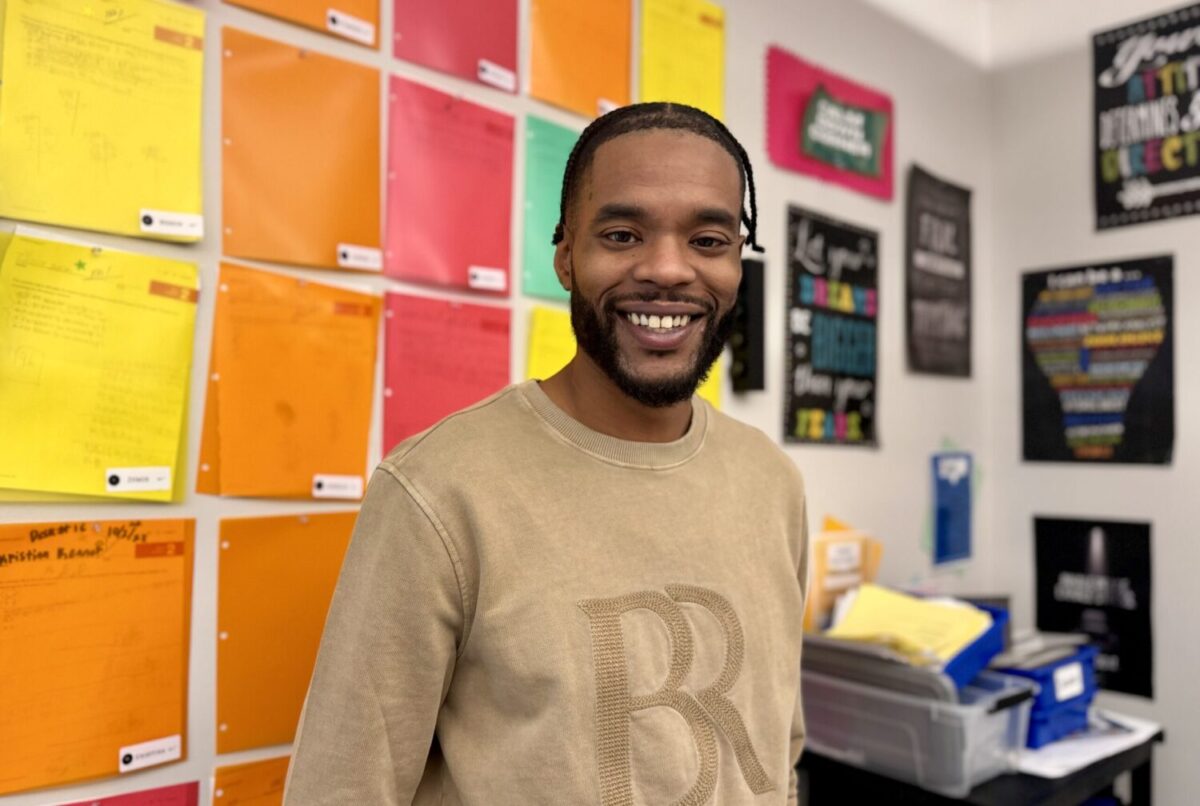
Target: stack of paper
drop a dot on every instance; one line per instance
(841, 559)
(100, 115)
(291, 380)
(94, 642)
(94, 371)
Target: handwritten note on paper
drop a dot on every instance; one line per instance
(257, 783)
(683, 53)
(100, 115)
(94, 637)
(94, 369)
(441, 356)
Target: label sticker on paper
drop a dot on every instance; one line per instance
(486, 278)
(137, 479)
(497, 76)
(1068, 681)
(176, 225)
(350, 256)
(349, 26)
(149, 754)
(331, 486)
(840, 557)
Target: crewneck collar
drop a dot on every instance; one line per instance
(653, 455)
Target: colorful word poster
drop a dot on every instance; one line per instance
(951, 507)
(580, 54)
(300, 155)
(683, 53)
(1098, 366)
(100, 115)
(94, 638)
(440, 356)
(439, 146)
(356, 20)
(290, 386)
(937, 255)
(825, 125)
(833, 302)
(177, 795)
(1093, 577)
(255, 783)
(276, 578)
(472, 39)
(94, 370)
(547, 147)
(1147, 126)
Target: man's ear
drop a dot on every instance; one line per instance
(562, 261)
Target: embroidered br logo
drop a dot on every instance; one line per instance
(705, 711)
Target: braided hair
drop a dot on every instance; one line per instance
(643, 117)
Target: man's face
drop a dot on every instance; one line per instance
(652, 259)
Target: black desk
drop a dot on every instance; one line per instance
(831, 782)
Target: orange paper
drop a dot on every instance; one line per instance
(581, 54)
(300, 155)
(276, 578)
(259, 783)
(356, 20)
(94, 638)
(291, 380)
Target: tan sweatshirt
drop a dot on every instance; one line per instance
(531, 612)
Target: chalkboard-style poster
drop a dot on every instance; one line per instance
(1147, 126)
(937, 255)
(833, 301)
(1094, 577)
(1098, 364)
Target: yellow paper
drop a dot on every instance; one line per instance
(94, 639)
(552, 346)
(94, 370)
(683, 53)
(100, 115)
(924, 631)
(840, 559)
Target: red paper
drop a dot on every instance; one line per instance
(440, 356)
(450, 165)
(178, 795)
(791, 82)
(475, 39)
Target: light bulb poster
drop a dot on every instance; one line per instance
(832, 306)
(1098, 364)
(1093, 577)
(1146, 85)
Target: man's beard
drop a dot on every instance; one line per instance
(595, 333)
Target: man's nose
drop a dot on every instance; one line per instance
(666, 263)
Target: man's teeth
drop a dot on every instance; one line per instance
(659, 323)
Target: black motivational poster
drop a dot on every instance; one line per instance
(1146, 80)
(833, 302)
(937, 256)
(1098, 367)
(1093, 577)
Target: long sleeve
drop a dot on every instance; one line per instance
(798, 729)
(386, 658)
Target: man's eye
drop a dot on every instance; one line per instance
(707, 242)
(620, 236)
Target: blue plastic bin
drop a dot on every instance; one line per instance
(966, 665)
(1066, 690)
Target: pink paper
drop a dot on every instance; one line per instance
(450, 165)
(178, 795)
(474, 39)
(439, 356)
(791, 83)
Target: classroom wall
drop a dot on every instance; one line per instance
(1042, 166)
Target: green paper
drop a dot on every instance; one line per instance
(851, 137)
(547, 146)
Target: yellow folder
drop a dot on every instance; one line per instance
(276, 579)
(94, 638)
(100, 115)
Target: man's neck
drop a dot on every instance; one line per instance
(583, 391)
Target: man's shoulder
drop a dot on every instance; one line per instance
(479, 430)
(748, 445)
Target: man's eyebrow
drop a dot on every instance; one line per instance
(615, 210)
(716, 215)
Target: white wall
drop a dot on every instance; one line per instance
(1044, 218)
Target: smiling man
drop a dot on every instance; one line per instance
(584, 590)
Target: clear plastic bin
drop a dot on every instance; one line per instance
(944, 747)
